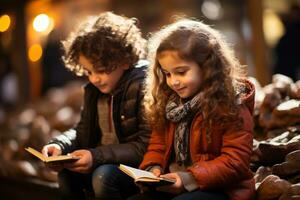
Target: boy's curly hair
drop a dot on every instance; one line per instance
(107, 41)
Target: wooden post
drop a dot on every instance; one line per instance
(258, 45)
(19, 56)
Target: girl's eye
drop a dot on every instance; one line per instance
(181, 72)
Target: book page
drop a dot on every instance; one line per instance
(138, 174)
(36, 153)
(61, 158)
(146, 178)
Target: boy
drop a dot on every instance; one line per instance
(107, 49)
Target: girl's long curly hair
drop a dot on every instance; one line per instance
(107, 41)
(195, 41)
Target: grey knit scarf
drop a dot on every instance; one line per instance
(182, 114)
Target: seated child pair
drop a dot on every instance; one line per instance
(197, 102)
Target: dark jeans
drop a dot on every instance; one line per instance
(106, 182)
(194, 195)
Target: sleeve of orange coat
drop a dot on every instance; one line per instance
(156, 150)
(234, 161)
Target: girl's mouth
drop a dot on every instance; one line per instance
(180, 90)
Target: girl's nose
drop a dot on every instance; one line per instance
(175, 82)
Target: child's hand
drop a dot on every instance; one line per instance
(175, 188)
(51, 150)
(156, 171)
(83, 165)
(143, 188)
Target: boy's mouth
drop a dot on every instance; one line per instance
(101, 86)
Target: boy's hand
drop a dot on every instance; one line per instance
(53, 150)
(83, 165)
(175, 188)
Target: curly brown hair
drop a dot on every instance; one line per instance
(197, 42)
(107, 41)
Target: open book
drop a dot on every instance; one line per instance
(62, 158)
(145, 177)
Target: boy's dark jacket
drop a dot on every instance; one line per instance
(132, 130)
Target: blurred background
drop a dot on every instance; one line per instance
(39, 98)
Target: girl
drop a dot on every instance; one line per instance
(200, 108)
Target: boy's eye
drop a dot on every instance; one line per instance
(100, 71)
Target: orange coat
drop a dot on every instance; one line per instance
(224, 163)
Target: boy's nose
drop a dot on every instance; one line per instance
(94, 79)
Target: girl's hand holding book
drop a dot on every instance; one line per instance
(156, 171)
(175, 188)
(143, 187)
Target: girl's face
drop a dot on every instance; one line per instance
(182, 76)
(105, 82)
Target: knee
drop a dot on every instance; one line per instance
(103, 174)
(104, 178)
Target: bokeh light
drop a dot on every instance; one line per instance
(41, 23)
(35, 52)
(211, 9)
(272, 26)
(4, 23)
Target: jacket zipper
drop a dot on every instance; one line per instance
(110, 113)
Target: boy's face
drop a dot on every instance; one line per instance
(105, 82)
(182, 76)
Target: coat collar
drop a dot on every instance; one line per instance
(247, 95)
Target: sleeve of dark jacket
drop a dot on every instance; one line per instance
(68, 140)
(77, 137)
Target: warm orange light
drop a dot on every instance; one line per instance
(41, 23)
(35, 52)
(4, 23)
(272, 26)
